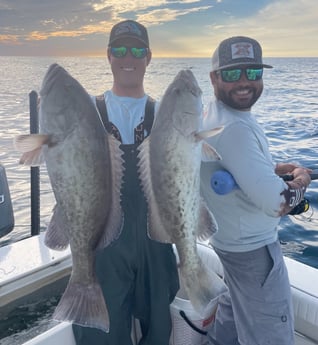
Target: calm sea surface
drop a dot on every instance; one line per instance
(288, 110)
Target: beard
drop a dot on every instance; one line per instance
(240, 101)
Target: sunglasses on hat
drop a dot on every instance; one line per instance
(234, 74)
(120, 52)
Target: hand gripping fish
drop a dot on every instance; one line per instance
(85, 168)
(169, 167)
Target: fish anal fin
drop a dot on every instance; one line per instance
(56, 236)
(207, 223)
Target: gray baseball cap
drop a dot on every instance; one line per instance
(235, 51)
(129, 29)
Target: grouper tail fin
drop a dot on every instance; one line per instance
(203, 288)
(83, 305)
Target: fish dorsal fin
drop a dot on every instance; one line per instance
(115, 219)
(32, 146)
(156, 230)
(207, 223)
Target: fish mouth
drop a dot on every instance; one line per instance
(50, 78)
(189, 82)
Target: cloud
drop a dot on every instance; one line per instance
(285, 28)
(161, 16)
(40, 20)
(177, 27)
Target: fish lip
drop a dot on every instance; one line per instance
(188, 81)
(50, 78)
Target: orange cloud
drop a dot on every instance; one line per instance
(10, 39)
(101, 27)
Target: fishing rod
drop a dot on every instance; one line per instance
(222, 182)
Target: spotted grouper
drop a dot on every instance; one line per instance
(85, 168)
(169, 169)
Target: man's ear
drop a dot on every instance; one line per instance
(149, 56)
(213, 77)
(108, 54)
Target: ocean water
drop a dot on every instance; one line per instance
(288, 111)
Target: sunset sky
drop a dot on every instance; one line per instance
(185, 28)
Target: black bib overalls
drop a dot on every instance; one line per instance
(138, 276)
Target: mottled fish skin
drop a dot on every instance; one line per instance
(85, 166)
(169, 168)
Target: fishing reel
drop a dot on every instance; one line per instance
(302, 207)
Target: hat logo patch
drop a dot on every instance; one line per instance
(128, 28)
(242, 50)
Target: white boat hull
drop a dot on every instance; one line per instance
(29, 265)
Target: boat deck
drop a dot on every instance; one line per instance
(28, 265)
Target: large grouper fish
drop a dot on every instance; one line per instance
(169, 168)
(85, 168)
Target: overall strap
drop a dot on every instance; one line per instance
(149, 114)
(146, 125)
(144, 128)
(101, 106)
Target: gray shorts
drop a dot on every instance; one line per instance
(258, 308)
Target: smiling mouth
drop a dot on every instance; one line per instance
(243, 92)
(128, 69)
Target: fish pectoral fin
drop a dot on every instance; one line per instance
(32, 147)
(30, 142)
(209, 153)
(209, 133)
(207, 223)
(33, 158)
(56, 236)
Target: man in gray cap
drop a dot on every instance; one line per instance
(258, 308)
(138, 276)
